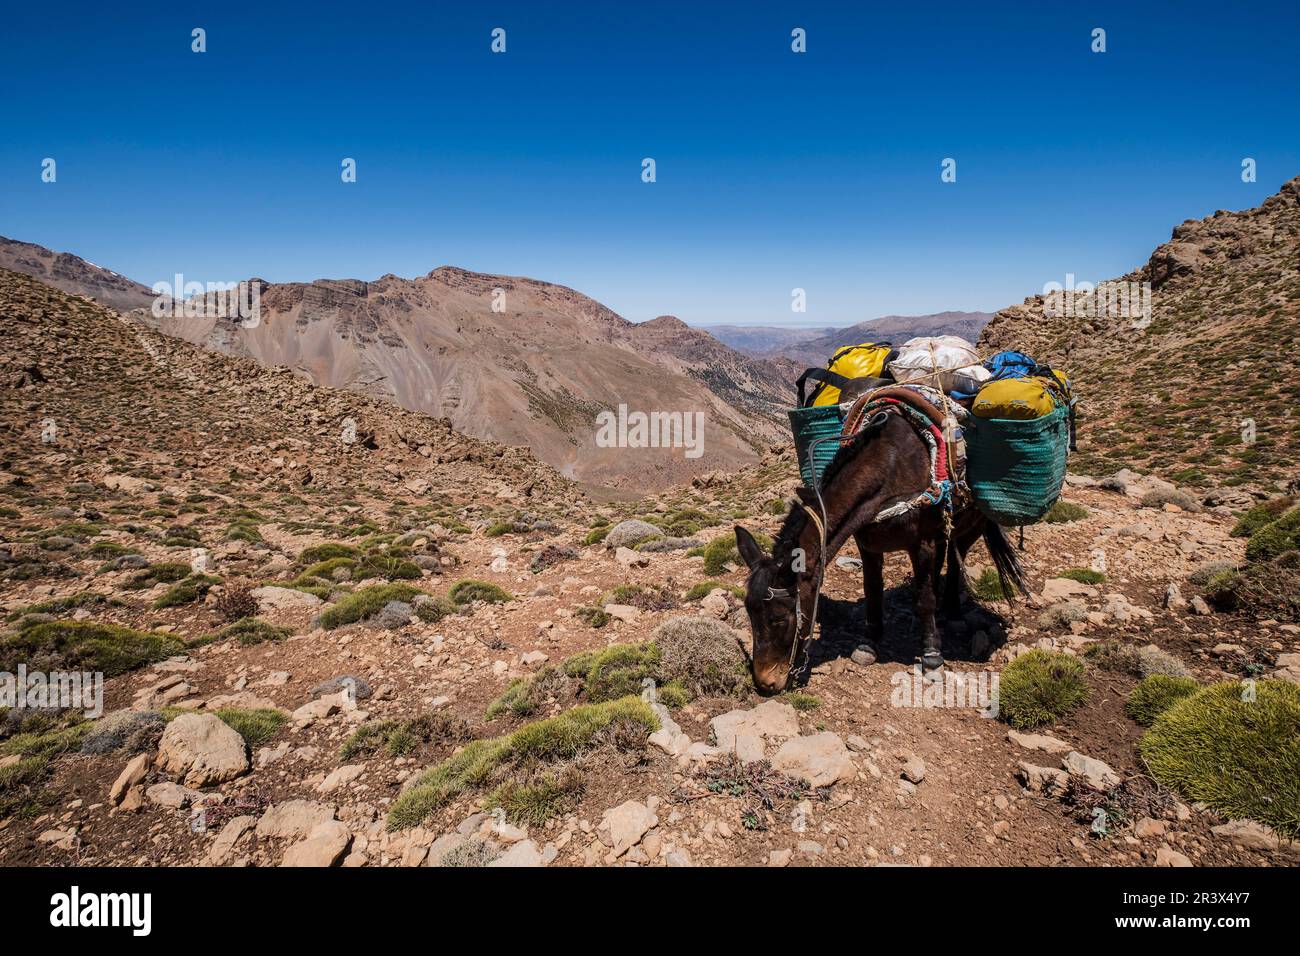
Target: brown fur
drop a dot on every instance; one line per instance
(885, 463)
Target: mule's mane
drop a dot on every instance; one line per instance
(787, 539)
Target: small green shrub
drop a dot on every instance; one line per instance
(988, 586)
(619, 670)
(82, 599)
(468, 591)
(328, 551)
(703, 589)
(255, 725)
(187, 591)
(702, 656)
(1064, 512)
(365, 603)
(1083, 575)
(721, 551)
(166, 573)
(562, 737)
(801, 701)
(1236, 752)
(1156, 694)
(85, 646)
(1040, 687)
(547, 795)
(526, 694)
(430, 609)
(108, 549)
(252, 630)
(398, 738)
(592, 616)
(1274, 539)
(1260, 515)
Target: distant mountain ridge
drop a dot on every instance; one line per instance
(805, 347)
(509, 359)
(762, 340)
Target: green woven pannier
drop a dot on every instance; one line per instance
(809, 424)
(1015, 469)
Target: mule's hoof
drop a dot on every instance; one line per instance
(932, 660)
(863, 655)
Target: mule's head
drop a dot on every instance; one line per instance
(772, 599)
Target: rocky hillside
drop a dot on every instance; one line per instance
(391, 645)
(535, 372)
(1178, 396)
(73, 274)
(103, 382)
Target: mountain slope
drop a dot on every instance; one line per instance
(513, 360)
(75, 275)
(114, 389)
(1177, 396)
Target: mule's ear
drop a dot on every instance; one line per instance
(805, 495)
(749, 550)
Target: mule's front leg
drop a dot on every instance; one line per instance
(924, 560)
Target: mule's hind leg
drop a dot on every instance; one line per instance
(873, 588)
(952, 588)
(952, 582)
(925, 555)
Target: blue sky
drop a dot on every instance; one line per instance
(775, 170)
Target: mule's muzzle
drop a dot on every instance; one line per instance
(771, 679)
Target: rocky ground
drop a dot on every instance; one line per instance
(184, 494)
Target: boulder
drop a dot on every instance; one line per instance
(340, 776)
(1167, 856)
(715, 604)
(623, 612)
(1045, 780)
(523, 853)
(293, 818)
(225, 842)
(272, 598)
(632, 532)
(358, 687)
(669, 737)
(631, 559)
(1248, 833)
(171, 795)
(131, 774)
(821, 759)
(1097, 772)
(1058, 589)
(622, 827)
(747, 732)
(325, 846)
(913, 769)
(202, 749)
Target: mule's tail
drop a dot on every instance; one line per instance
(1004, 558)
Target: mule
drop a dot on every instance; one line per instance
(886, 462)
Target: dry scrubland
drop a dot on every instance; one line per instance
(423, 649)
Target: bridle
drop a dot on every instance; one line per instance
(818, 518)
(772, 593)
